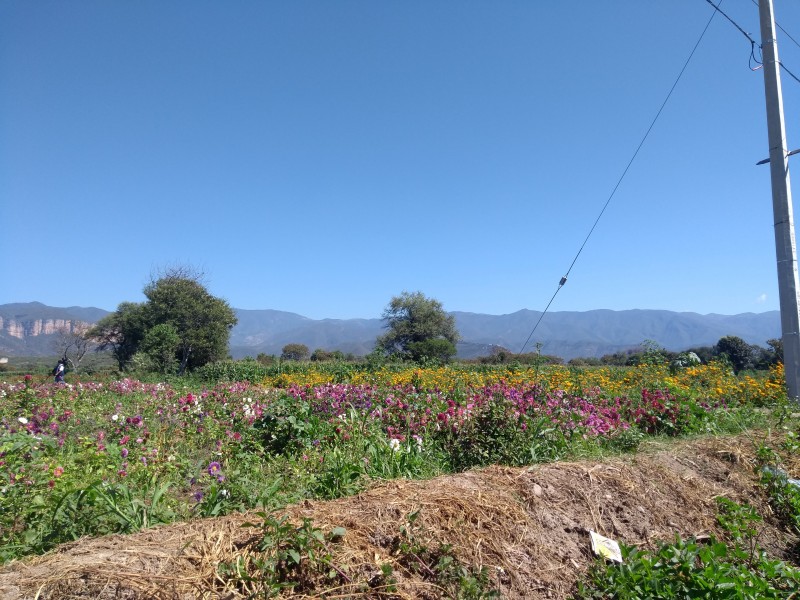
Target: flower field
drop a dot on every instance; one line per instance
(96, 457)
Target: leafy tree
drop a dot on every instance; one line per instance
(294, 352)
(320, 355)
(739, 352)
(201, 321)
(776, 351)
(177, 299)
(121, 332)
(418, 329)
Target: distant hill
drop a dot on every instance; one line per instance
(27, 329)
(30, 328)
(598, 332)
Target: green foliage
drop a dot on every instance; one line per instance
(160, 344)
(432, 350)
(234, 370)
(689, 569)
(121, 332)
(502, 356)
(201, 321)
(693, 569)
(340, 476)
(738, 352)
(294, 352)
(776, 349)
(394, 459)
(283, 557)
(499, 435)
(320, 355)
(288, 427)
(783, 493)
(418, 328)
(265, 359)
(653, 354)
(439, 566)
(99, 508)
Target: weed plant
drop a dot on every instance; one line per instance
(737, 570)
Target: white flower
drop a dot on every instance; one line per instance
(115, 417)
(23, 420)
(394, 444)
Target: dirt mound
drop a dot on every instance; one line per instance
(527, 526)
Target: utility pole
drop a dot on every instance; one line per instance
(781, 203)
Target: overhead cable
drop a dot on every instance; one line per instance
(624, 173)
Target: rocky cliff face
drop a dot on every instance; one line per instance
(22, 329)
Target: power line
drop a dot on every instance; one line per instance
(753, 43)
(778, 25)
(734, 23)
(788, 72)
(625, 172)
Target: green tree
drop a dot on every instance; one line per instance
(177, 299)
(201, 321)
(121, 332)
(294, 352)
(320, 355)
(739, 352)
(776, 350)
(418, 329)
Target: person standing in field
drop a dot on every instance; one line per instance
(58, 371)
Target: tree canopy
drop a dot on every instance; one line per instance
(418, 329)
(180, 320)
(294, 352)
(739, 352)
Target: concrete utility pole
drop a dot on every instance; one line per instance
(781, 203)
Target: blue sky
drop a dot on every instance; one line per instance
(320, 157)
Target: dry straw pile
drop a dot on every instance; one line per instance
(526, 526)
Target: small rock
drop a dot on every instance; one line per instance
(537, 490)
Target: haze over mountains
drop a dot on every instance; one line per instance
(28, 329)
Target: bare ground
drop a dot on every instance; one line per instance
(527, 526)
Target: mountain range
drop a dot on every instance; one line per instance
(29, 329)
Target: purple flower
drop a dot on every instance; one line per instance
(214, 468)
